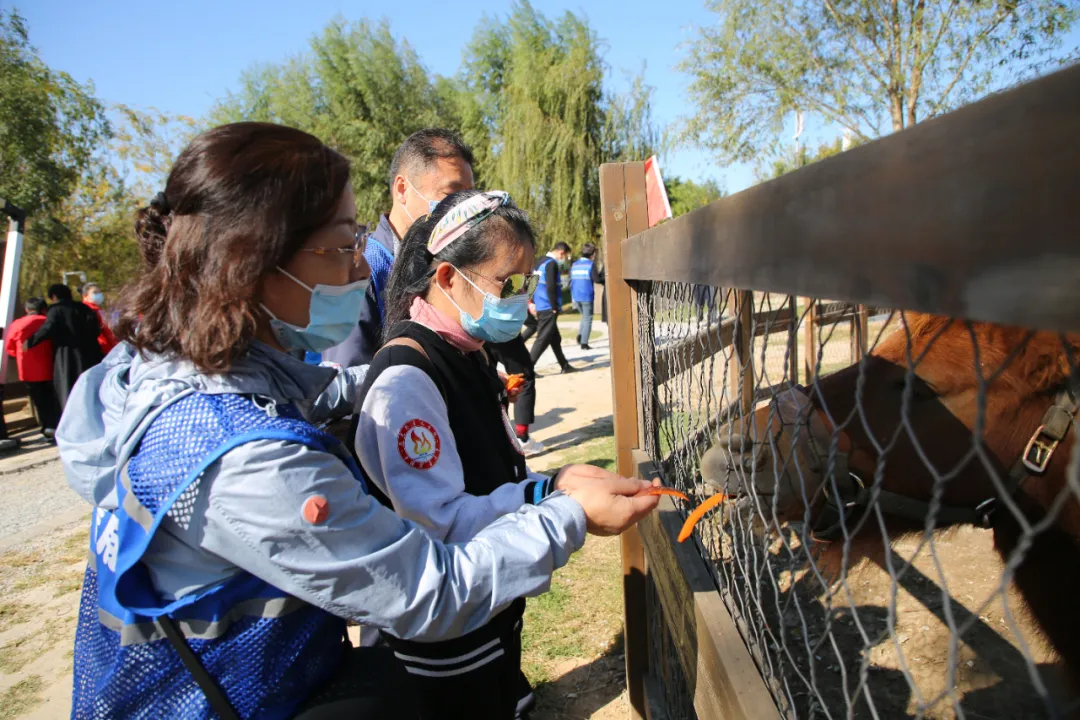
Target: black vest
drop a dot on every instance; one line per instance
(472, 389)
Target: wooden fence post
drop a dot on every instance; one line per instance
(810, 340)
(624, 213)
(862, 331)
(793, 341)
(744, 348)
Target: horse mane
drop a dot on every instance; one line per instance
(1041, 363)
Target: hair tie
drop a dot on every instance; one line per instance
(161, 203)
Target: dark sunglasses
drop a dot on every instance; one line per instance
(515, 285)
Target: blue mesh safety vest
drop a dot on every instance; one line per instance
(540, 295)
(581, 287)
(267, 650)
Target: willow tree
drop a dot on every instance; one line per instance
(873, 66)
(360, 90)
(539, 88)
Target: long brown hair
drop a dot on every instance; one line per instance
(240, 200)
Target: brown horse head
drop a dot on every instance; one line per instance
(877, 433)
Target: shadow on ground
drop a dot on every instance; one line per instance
(585, 689)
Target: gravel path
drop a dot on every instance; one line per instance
(35, 496)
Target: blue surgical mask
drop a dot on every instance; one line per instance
(97, 298)
(501, 319)
(333, 312)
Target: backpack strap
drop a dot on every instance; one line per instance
(405, 351)
(214, 694)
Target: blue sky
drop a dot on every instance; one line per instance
(180, 57)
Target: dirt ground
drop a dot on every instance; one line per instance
(820, 635)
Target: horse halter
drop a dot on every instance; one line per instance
(856, 499)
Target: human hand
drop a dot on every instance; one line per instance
(572, 477)
(514, 384)
(612, 503)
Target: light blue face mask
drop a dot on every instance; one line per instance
(500, 320)
(333, 312)
(97, 298)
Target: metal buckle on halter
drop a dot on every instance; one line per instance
(1039, 451)
(860, 486)
(984, 512)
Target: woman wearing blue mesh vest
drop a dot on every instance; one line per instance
(231, 538)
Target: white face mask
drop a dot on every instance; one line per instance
(432, 204)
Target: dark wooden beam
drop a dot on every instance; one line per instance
(973, 214)
(720, 672)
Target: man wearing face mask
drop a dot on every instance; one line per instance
(548, 302)
(93, 298)
(428, 166)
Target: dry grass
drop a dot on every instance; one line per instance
(20, 697)
(572, 635)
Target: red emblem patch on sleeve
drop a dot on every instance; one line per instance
(316, 509)
(419, 445)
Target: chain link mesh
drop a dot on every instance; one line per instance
(889, 616)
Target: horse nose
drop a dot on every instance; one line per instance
(736, 443)
(742, 452)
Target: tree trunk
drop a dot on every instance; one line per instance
(917, 62)
(896, 72)
(896, 109)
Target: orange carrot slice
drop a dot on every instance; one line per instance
(667, 491)
(699, 512)
(513, 382)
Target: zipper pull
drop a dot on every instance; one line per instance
(267, 405)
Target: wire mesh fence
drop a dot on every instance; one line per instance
(900, 537)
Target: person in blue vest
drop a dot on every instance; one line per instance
(231, 538)
(429, 165)
(583, 277)
(547, 301)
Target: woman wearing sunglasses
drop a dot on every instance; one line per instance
(433, 436)
(231, 538)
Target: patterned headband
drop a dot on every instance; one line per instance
(465, 216)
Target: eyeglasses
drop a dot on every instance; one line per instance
(357, 250)
(515, 285)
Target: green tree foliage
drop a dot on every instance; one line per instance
(145, 145)
(873, 66)
(539, 89)
(530, 99)
(51, 129)
(358, 89)
(785, 163)
(95, 221)
(687, 195)
(50, 125)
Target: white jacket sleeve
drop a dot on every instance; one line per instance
(362, 561)
(407, 449)
(339, 397)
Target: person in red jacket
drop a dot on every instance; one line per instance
(93, 298)
(35, 365)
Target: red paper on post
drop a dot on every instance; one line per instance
(656, 193)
